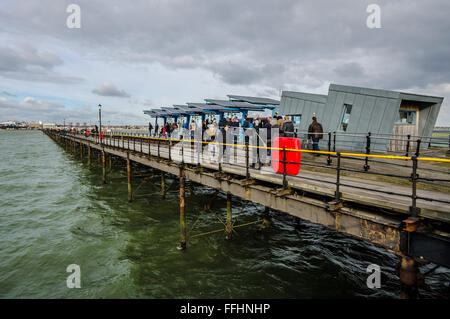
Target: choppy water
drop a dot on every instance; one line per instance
(55, 211)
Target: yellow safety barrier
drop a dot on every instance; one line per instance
(443, 160)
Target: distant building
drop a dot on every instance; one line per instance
(8, 124)
(354, 110)
(34, 125)
(48, 125)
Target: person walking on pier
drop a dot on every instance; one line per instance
(287, 128)
(315, 132)
(150, 128)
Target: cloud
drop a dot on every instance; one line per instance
(108, 89)
(29, 109)
(352, 69)
(251, 46)
(9, 94)
(26, 63)
(34, 109)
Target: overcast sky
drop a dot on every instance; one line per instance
(135, 55)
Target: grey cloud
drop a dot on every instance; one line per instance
(265, 43)
(29, 109)
(32, 109)
(108, 89)
(351, 69)
(9, 94)
(246, 73)
(26, 63)
(264, 32)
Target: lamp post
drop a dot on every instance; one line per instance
(64, 127)
(100, 122)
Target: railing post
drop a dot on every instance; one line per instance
(337, 194)
(408, 142)
(182, 153)
(247, 171)
(285, 184)
(413, 209)
(329, 149)
(159, 144)
(418, 148)
(334, 141)
(170, 155)
(366, 163)
(149, 151)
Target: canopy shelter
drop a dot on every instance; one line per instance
(211, 109)
(188, 111)
(254, 100)
(267, 103)
(235, 104)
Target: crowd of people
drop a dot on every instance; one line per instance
(251, 126)
(285, 125)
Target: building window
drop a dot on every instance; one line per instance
(296, 118)
(406, 117)
(345, 118)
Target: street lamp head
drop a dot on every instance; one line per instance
(99, 106)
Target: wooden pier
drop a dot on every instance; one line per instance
(410, 222)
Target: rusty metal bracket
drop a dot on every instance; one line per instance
(283, 192)
(221, 175)
(198, 169)
(334, 205)
(247, 182)
(411, 224)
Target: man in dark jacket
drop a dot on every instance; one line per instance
(315, 132)
(150, 128)
(288, 127)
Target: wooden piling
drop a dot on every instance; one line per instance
(229, 226)
(89, 156)
(163, 185)
(182, 212)
(103, 167)
(130, 195)
(410, 278)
